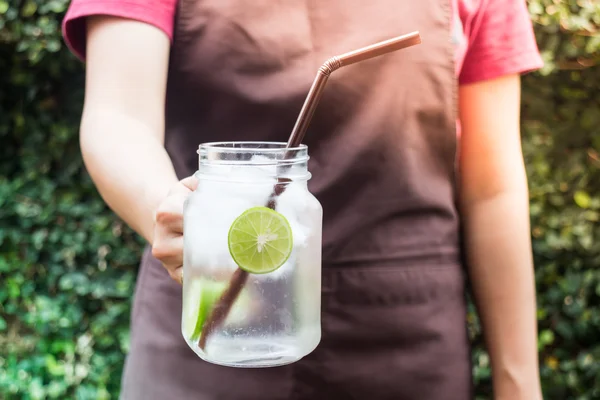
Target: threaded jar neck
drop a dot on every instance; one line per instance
(252, 161)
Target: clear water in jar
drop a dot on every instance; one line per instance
(276, 318)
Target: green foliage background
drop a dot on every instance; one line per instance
(67, 265)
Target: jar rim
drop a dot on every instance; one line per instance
(250, 146)
(218, 157)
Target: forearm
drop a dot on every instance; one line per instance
(501, 269)
(128, 165)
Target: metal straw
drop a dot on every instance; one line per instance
(221, 309)
(334, 63)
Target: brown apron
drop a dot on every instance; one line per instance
(383, 149)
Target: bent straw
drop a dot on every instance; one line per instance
(238, 279)
(334, 63)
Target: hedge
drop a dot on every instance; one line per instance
(68, 265)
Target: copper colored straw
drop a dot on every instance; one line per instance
(221, 309)
(365, 53)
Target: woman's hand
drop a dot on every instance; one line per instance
(167, 245)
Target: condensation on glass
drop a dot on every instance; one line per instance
(275, 320)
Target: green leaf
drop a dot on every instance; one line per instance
(582, 199)
(546, 337)
(29, 9)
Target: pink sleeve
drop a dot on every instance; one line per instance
(159, 13)
(501, 41)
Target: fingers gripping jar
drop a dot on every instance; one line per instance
(252, 256)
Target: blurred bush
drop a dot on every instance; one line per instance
(67, 265)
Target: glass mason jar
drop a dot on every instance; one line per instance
(252, 256)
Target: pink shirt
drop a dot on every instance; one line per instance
(492, 37)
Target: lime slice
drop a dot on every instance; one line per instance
(260, 240)
(201, 297)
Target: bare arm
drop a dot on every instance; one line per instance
(495, 208)
(122, 128)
